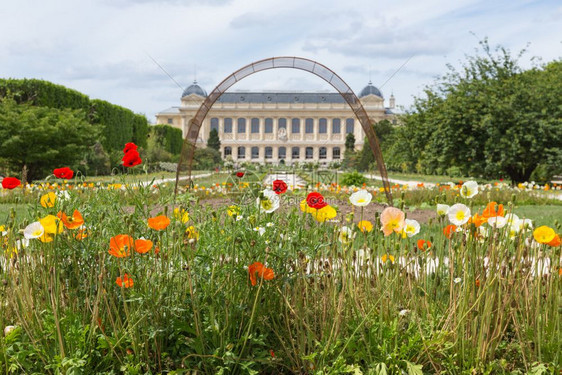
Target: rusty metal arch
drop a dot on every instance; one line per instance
(189, 144)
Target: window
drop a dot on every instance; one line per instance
(336, 126)
(215, 124)
(322, 126)
(295, 126)
(241, 152)
(170, 121)
(295, 153)
(309, 126)
(282, 153)
(268, 125)
(268, 153)
(309, 153)
(349, 125)
(228, 125)
(336, 153)
(282, 123)
(255, 152)
(227, 151)
(323, 153)
(255, 126)
(241, 125)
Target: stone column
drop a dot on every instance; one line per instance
(303, 125)
(248, 125)
(234, 128)
(315, 128)
(262, 128)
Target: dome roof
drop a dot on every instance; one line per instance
(194, 89)
(370, 90)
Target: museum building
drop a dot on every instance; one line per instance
(288, 126)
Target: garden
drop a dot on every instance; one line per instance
(238, 277)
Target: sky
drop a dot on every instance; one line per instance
(122, 51)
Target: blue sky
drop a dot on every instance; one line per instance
(102, 47)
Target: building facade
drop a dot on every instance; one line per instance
(274, 127)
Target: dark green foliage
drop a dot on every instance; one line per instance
(349, 142)
(167, 137)
(206, 158)
(97, 161)
(120, 125)
(384, 131)
(490, 119)
(214, 141)
(44, 94)
(42, 138)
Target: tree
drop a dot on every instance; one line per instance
(384, 131)
(214, 141)
(349, 142)
(206, 158)
(489, 119)
(41, 138)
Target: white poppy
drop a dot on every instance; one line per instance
(512, 219)
(269, 202)
(457, 280)
(260, 230)
(346, 235)
(8, 329)
(442, 209)
(469, 189)
(411, 227)
(525, 224)
(33, 230)
(459, 214)
(497, 222)
(361, 198)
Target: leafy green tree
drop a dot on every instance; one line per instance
(489, 119)
(384, 131)
(206, 158)
(214, 141)
(349, 142)
(41, 138)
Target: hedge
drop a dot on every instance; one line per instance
(168, 137)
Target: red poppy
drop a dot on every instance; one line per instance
(10, 183)
(64, 172)
(239, 174)
(125, 282)
(262, 271)
(131, 158)
(129, 146)
(316, 200)
(424, 245)
(279, 186)
(449, 230)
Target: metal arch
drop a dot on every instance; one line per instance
(189, 144)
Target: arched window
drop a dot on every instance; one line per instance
(255, 127)
(295, 153)
(323, 153)
(255, 152)
(282, 123)
(227, 151)
(336, 126)
(309, 153)
(227, 125)
(241, 125)
(296, 125)
(309, 126)
(322, 126)
(282, 153)
(268, 125)
(215, 123)
(336, 153)
(268, 153)
(241, 152)
(349, 125)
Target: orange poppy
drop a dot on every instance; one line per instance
(392, 219)
(120, 245)
(424, 245)
(71, 222)
(82, 233)
(477, 283)
(555, 242)
(143, 246)
(125, 282)
(262, 271)
(492, 211)
(449, 230)
(477, 220)
(159, 222)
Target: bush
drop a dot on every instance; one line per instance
(353, 179)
